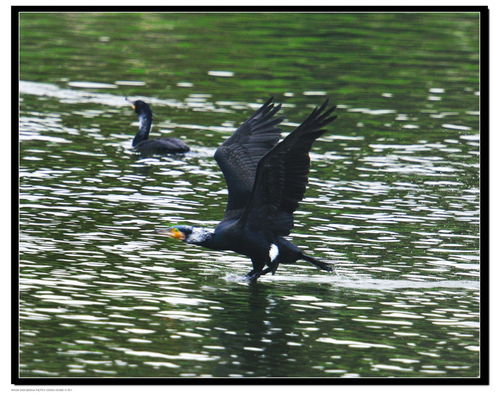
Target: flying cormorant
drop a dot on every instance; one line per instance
(142, 144)
(266, 181)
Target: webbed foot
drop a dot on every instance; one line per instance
(253, 275)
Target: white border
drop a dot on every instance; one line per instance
(243, 390)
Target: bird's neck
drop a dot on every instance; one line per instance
(206, 238)
(145, 122)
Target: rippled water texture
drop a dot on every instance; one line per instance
(393, 199)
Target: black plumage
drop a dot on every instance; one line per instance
(266, 181)
(146, 146)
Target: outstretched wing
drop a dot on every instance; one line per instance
(238, 156)
(282, 176)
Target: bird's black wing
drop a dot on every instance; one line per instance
(238, 156)
(282, 176)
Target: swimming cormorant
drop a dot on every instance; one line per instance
(266, 181)
(146, 146)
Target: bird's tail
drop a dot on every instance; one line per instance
(317, 263)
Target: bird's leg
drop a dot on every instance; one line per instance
(252, 278)
(257, 271)
(272, 267)
(267, 270)
(253, 274)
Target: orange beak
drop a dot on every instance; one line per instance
(172, 233)
(131, 103)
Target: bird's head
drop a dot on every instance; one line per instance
(186, 233)
(140, 107)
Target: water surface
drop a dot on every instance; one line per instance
(393, 199)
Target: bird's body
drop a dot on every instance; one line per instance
(146, 146)
(266, 181)
(162, 146)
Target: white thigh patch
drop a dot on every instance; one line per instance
(273, 252)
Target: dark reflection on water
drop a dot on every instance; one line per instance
(393, 200)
